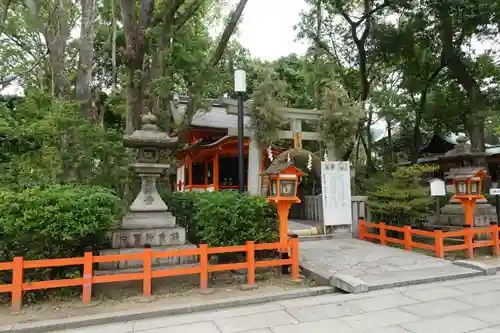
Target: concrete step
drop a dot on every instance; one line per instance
(417, 276)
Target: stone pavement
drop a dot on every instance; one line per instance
(458, 306)
(376, 265)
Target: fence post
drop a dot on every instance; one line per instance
(87, 275)
(382, 233)
(469, 235)
(362, 229)
(17, 284)
(438, 238)
(148, 274)
(295, 256)
(203, 265)
(494, 237)
(251, 262)
(408, 237)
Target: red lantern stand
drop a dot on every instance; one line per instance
(284, 179)
(467, 190)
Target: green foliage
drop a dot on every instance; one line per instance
(224, 218)
(45, 141)
(266, 101)
(404, 199)
(56, 221)
(340, 118)
(181, 205)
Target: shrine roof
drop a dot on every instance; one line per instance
(215, 115)
(208, 143)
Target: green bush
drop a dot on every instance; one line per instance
(404, 199)
(57, 221)
(181, 205)
(224, 218)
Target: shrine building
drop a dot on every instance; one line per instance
(210, 161)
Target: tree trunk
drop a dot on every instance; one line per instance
(84, 73)
(460, 71)
(136, 45)
(113, 48)
(56, 38)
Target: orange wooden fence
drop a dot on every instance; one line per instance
(18, 265)
(439, 248)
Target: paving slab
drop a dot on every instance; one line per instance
(376, 265)
(437, 308)
(490, 315)
(449, 324)
(379, 319)
(255, 321)
(204, 326)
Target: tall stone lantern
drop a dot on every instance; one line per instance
(463, 161)
(148, 220)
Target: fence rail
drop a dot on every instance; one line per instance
(18, 265)
(439, 236)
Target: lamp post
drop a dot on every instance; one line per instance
(240, 87)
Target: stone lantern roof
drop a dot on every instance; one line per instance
(149, 135)
(463, 150)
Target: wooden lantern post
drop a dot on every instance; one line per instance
(467, 190)
(284, 179)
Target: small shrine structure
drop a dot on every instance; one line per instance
(465, 164)
(148, 221)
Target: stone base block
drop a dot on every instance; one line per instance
(156, 237)
(148, 220)
(167, 261)
(487, 269)
(349, 284)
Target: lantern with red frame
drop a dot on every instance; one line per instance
(467, 188)
(284, 179)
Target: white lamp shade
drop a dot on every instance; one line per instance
(240, 80)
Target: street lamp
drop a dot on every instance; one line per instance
(240, 87)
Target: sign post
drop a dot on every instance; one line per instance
(438, 189)
(336, 193)
(496, 193)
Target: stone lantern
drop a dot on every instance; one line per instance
(148, 220)
(467, 171)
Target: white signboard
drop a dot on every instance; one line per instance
(438, 187)
(494, 191)
(336, 193)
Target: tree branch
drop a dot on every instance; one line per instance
(368, 14)
(194, 90)
(188, 13)
(147, 9)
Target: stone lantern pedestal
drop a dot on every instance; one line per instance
(148, 220)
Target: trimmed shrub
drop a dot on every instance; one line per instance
(224, 218)
(404, 199)
(57, 221)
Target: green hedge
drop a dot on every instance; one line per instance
(57, 221)
(224, 218)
